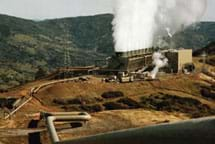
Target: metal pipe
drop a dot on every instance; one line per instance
(14, 111)
(65, 113)
(51, 128)
(197, 131)
(63, 116)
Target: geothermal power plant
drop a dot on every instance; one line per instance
(135, 65)
(139, 31)
(133, 61)
(138, 27)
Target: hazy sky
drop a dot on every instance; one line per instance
(46, 9)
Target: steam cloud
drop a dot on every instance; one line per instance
(159, 61)
(140, 24)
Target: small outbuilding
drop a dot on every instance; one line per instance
(178, 60)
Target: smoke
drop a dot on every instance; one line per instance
(140, 24)
(159, 61)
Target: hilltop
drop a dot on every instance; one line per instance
(27, 46)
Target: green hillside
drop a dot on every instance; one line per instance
(26, 45)
(195, 37)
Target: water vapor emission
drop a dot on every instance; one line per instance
(140, 24)
(159, 61)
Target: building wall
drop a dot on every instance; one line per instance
(132, 61)
(172, 62)
(134, 53)
(130, 64)
(138, 62)
(177, 59)
(184, 57)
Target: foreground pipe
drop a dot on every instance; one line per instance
(63, 116)
(197, 131)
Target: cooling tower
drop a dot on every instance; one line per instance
(131, 61)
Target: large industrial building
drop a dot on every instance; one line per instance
(135, 60)
(131, 61)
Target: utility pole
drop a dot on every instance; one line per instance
(67, 50)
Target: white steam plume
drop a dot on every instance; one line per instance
(139, 24)
(159, 61)
(169, 33)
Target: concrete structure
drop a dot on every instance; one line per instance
(134, 53)
(177, 59)
(131, 61)
(135, 60)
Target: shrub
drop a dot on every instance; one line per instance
(60, 101)
(207, 93)
(112, 94)
(92, 108)
(114, 106)
(190, 106)
(129, 102)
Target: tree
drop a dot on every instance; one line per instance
(4, 31)
(40, 73)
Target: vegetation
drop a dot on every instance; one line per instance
(195, 37)
(27, 45)
(208, 92)
(209, 49)
(172, 103)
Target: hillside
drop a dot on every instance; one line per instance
(113, 106)
(209, 49)
(196, 36)
(26, 45)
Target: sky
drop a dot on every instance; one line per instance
(47, 9)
